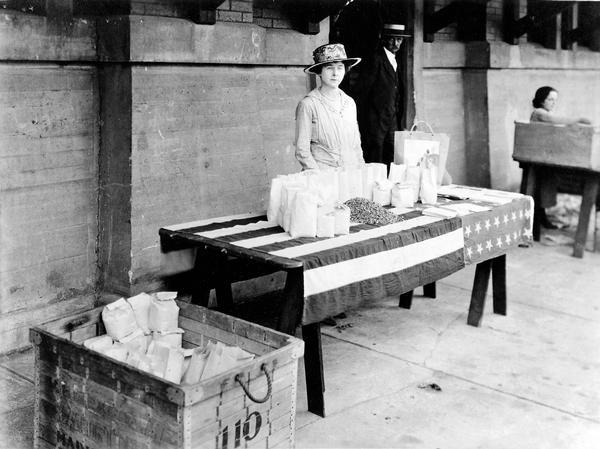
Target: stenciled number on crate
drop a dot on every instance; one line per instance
(242, 429)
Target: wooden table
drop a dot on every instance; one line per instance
(542, 148)
(530, 185)
(326, 276)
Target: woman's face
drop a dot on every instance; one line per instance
(550, 101)
(333, 73)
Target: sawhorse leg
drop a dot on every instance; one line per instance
(497, 267)
(202, 272)
(590, 190)
(291, 315)
(530, 186)
(313, 368)
(429, 290)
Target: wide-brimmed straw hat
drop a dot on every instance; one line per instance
(328, 53)
(394, 30)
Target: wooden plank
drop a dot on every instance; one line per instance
(242, 328)
(192, 335)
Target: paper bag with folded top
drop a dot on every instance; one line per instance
(119, 319)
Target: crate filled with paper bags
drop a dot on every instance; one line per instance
(151, 371)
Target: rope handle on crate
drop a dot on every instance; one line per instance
(263, 367)
(412, 128)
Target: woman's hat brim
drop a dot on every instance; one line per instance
(352, 62)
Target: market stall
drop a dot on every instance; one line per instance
(326, 276)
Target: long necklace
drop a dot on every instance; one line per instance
(333, 103)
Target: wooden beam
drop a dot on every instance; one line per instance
(541, 13)
(469, 16)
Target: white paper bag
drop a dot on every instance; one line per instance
(325, 184)
(428, 190)
(325, 222)
(171, 338)
(274, 198)
(136, 341)
(303, 221)
(100, 343)
(413, 178)
(397, 173)
(163, 314)
(119, 319)
(355, 184)
(141, 307)
(174, 368)
(196, 367)
(368, 172)
(342, 219)
(117, 351)
(344, 185)
(382, 192)
(288, 194)
(403, 195)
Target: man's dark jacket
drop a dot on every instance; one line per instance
(378, 95)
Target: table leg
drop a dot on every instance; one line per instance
(313, 368)
(293, 301)
(480, 285)
(406, 299)
(499, 284)
(532, 189)
(223, 284)
(429, 290)
(202, 272)
(590, 190)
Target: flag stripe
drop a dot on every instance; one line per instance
(333, 276)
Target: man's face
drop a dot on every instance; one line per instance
(392, 43)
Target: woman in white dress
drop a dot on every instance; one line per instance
(327, 133)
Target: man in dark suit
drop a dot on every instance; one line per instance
(379, 97)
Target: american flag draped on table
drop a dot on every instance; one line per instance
(371, 262)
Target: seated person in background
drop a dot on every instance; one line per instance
(544, 102)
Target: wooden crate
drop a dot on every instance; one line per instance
(565, 146)
(86, 400)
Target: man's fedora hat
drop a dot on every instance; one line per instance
(328, 53)
(394, 30)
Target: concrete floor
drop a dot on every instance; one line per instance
(527, 380)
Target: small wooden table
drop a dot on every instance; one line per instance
(326, 276)
(575, 150)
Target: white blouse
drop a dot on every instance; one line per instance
(326, 134)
